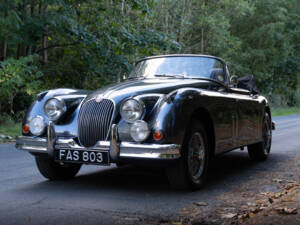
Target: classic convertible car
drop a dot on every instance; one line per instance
(174, 111)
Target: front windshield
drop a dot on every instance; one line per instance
(185, 66)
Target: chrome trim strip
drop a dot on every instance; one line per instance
(50, 138)
(31, 144)
(149, 151)
(114, 147)
(69, 143)
(127, 149)
(36, 149)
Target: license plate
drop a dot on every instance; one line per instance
(84, 157)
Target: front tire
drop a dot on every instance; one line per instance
(54, 171)
(260, 151)
(191, 169)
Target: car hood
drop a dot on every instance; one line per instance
(132, 88)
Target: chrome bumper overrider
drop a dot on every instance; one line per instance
(116, 149)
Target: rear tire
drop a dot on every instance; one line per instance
(54, 171)
(191, 169)
(260, 151)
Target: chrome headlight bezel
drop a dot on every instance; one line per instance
(35, 129)
(137, 108)
(59, 108)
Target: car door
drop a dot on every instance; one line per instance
(249, 115)
(224, 110)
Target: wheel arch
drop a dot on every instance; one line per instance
(268, 110)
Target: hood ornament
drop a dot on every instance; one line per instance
(99, 98)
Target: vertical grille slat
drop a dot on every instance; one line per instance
(94, 121)
(105, 106)
(110, 113)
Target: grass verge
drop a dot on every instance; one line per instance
(8, 127)
(284, 111)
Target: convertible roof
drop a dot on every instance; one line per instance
(179, 55)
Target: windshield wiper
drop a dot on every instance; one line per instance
(170, 75)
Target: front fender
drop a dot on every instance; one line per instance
(72, 97)
(173, 115)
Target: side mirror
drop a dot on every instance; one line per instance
(234, 80)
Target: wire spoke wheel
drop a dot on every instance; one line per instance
(190, 171)
(261, 150)
(196, 156)
(267, 136)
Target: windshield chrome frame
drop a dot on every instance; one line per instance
(225, 83)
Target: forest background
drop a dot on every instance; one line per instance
(87, 44)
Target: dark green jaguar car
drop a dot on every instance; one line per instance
(173, 111)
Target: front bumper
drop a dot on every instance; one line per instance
(115, 148)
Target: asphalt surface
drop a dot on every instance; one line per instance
(110, 195)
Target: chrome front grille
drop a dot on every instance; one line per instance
(94, 121)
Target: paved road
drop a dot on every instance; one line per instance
(113, 195)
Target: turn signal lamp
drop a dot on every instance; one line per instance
(157, 135)
(25, 129)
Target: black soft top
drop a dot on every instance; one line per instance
(247, 82)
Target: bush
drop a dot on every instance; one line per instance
(19, 82)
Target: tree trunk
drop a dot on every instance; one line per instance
(21, 48)
(182, 21)
(4, 42)
(202, 29)
(44, 41)
(202, 40)
(29, 48)
(19, 51)
(4, 50)
(40, 7)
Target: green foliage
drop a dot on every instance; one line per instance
(88, 44)
(284, 111)
(9, 127)
(18, 77)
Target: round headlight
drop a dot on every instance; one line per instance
(139, 130)
(37, 125)
(132, 110)
(54, 108)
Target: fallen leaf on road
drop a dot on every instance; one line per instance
(131, 219)
(200, 203)
(290, 186)
(277, 180)
(260, 202)
(228, 215)
(285, 210)
(229, 209)
(255, 210)
(270, 200)
(288, 199)
(177, 223)
(251, 204)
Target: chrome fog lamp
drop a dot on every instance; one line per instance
(132, 110)
(37, 125)
(139, 130)
(54, 108)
